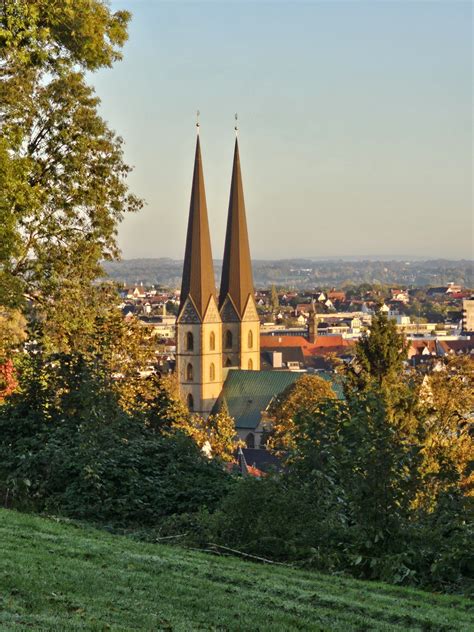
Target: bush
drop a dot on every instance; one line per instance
(346, 503)
(66, 446)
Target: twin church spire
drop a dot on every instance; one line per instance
(237, 281)
(215, 334)
(198, 271)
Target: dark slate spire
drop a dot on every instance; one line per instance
(236, 279)
(198, 271)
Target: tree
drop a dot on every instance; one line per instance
(220, 432)
(166, 409)
(303, 396)
(379, 355)
(62, 175)
(447, 406)
(275, 301)
(367, 460)
(12, 331)
(52, 36)
(380, 364)
(12, 335)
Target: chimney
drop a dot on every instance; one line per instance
(277, 359)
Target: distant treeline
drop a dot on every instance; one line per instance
(307, 273)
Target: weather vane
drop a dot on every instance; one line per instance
(197, 120)
(236, 128)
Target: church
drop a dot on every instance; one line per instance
(215, 332)
(218, 333)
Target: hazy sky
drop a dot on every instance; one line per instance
(355, 124)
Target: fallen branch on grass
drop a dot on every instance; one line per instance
(253, 557)
(169, 537)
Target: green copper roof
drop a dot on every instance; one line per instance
(248, 393)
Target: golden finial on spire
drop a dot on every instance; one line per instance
(197, 122)
(236, 128)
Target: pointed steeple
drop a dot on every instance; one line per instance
(198, 271)
(237, 281)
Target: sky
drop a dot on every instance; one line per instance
(355, 124)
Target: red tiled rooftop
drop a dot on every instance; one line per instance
(323, 344)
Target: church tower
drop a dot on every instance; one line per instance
(240, 321)
(313, 322)
(198, 326)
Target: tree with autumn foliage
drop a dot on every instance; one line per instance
(63, 179)
(166, 409)
(12, 335)
(447, 397)
(166, 412)
(303, 396)
(220, 433)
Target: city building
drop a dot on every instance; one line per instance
(468, 315)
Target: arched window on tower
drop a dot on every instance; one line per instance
(190, 402)
(189, 341)
(250, 339)
(250, 365)
(228, 339)
(212, 341)
(212, 372)
(189, 372)
(250, 440)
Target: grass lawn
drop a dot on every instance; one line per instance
(57, 576)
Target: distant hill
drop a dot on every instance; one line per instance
(58, 576)
(306, 273)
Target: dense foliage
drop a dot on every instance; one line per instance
(302, 396)
(67, 446)
(378, 485)
(347, 503)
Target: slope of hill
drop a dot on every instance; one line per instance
(58, 576)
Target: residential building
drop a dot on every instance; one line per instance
(468, 315)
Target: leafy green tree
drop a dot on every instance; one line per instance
(380, 364)
(62, 172)
(56, 35)
(12, 331)
(344, 499)
(380, 355)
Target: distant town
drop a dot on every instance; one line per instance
(437, 320)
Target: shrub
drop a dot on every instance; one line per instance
(66, 446)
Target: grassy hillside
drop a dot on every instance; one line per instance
(56, 576)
